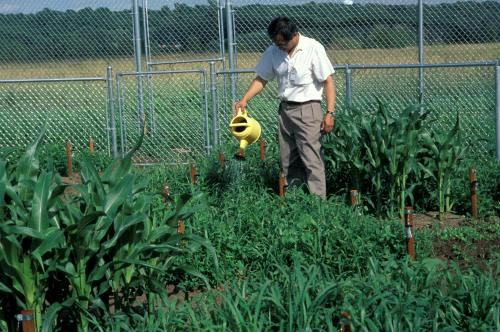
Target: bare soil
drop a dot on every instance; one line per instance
(431, 218)
(465, 254)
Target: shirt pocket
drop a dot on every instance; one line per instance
(300, 76)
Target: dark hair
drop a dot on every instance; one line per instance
(282, 25)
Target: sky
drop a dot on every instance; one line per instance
(33, 6)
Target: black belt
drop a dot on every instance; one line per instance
(298, 103)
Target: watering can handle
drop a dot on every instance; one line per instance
(240, 112)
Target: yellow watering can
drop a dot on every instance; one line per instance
(244, 129)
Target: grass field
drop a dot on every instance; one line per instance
(97, 67)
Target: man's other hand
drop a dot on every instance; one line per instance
(327, 124)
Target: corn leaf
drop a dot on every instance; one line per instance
(3, 181)
(39, 212)
(51, 313)
(28, 164)
(53, 238)
(118, 194)
(127, 223)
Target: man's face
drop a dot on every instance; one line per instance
(282, 43)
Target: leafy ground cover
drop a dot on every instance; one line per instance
(298, 263)
(109, 254)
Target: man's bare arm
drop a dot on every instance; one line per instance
(255, 88)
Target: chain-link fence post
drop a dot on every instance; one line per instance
(222, 52)
(497, 103)
(348, 86)
(208, 146)
(138, 62)
(149, 66)
(421, 52)
(111, 112)
(213, 89)
(121, 103)
(230, 49)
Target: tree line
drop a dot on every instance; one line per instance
(101, 33)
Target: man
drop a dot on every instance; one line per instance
(304, 72)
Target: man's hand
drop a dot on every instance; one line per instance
(242, 104)
(327, 124)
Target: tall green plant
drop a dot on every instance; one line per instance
(441, 161)
(343, 148)
(104, 235)
(409, 147)
(29, 231)
(111, 238)
(382, 149)
(389, 143)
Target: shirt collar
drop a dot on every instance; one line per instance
(299, 46)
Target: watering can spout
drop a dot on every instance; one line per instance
(243, 144)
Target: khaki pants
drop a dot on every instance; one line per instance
(300, 146)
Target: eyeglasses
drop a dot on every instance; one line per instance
(279, 42)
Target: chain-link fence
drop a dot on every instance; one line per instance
(376, 31)
(72, 110)
(184, 34)
(450, 91)
(63, 40)
(69, 38)
(174, 115)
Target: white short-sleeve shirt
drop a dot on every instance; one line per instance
(301, 75)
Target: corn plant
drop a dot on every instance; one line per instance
(110, 239)
(444, 152)
(343, 149)
(28, 229)
(381, 148)
(103, 235)
(378, 132)
(404, 152)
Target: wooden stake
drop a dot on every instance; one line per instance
(473, 191)
(69, 159)
(345, 322)
(410, 244)
(262, 145)
(222, 158)
(91, 145)
(194, 175)
(27, 320)
(165, 192)
(282, 184)
(181, 227)
(354, 197)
